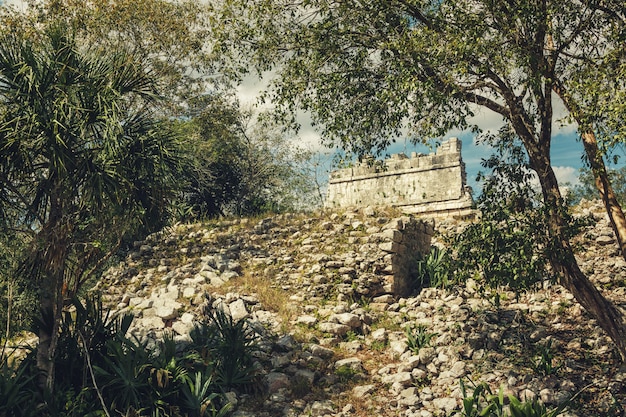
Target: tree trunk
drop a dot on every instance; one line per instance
(50, 257)
(564, 263)
(609, 318)
(46, 346)
(51, 307)
(609, 199)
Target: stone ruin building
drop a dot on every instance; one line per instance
(433, 184)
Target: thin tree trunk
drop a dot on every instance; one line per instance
(564, 263)
(609, 318)
(45, 346)
(609, 199)
(51, 306)
(52, 259)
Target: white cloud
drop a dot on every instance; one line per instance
(249, 92)
(566, 175)
(251, 87)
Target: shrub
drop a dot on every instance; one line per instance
(18, 393)
(434, 270)
(101, 371)
(229, 345)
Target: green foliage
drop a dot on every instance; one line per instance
(168, 35)
(87, 330)
(435, 269)
(544, 363)
(483, 403)
(16, 389)
(18, 296)
(509, 245)
(199, 396)
(360, 85)
(533, 408)
(418, 337)
(240, 165)
(100, 368)
(84, 162)
(229, 344)
(123, 375)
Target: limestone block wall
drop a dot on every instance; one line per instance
(434, 183)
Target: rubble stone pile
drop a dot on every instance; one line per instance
(338, 339)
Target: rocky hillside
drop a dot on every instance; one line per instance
(335, 342)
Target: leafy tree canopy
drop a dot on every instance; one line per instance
(368, 70)
(242, 165)
(170, 36)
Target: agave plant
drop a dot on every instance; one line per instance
(228, 344)
(124, 375)
(200, 398)
(434, 269)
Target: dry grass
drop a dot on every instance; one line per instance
(271, 297)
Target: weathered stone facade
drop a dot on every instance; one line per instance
(434, 184)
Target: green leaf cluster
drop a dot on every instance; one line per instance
(418, 337)
(241, 164)
(435, 270)
(84, 162)
(169, 36)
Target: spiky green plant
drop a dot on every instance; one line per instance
(229, 344)
(418, 337)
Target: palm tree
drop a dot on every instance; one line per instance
(84, 161)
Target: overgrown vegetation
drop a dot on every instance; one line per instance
(92, 157)
(544, 361)
(508, 246)
(102, 154)
(435, 269)
(240, 165)
(427, 68)
(102, 371)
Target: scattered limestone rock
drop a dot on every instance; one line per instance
(340, 296)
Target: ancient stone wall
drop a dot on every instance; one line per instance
(434, 184)
(405, 240)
